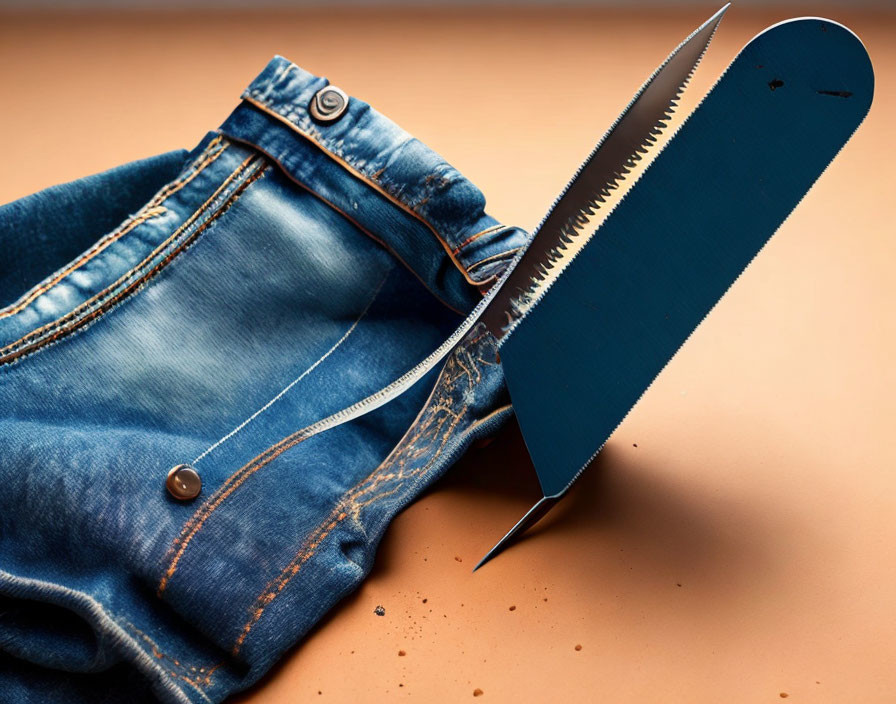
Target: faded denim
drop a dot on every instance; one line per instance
(202, 308)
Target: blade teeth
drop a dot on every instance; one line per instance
(555, 255)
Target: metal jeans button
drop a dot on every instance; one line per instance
(183, 482)
(328, 104)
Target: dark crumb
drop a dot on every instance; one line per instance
(578, 647)
(401, 653)
(379, 611)
(457, 558)
(353, 652)
(477, 692)
(401, 684)
(634, 444)
(678, 584)
(319, 692)
(545, 598)
(783, 695)
(513, 608)
(425, 600)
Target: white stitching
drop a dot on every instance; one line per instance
(301, 376)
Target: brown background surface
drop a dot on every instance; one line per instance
(735, 540)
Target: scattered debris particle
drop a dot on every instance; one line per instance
(379, 611)
(678, 584)
(775, 83)
(634, 444)
(578, 647)
(425, 600)
(477, 692)
(401, 684)
(513, 608)
(319, 692)
(783, 695)
(401, 653)
(545, 598)
(836, 93)
(458, 559)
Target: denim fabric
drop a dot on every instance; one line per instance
(203, 308)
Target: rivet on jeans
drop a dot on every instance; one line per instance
(183, 482)
(328, 104)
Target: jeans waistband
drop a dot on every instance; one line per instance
(399, 191)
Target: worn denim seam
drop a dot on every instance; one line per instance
(86, 305)
(349, 504)
(152, 209)
(508, 254)
(100, 613)
(201, 678)
(87, 311)
(254, 98)
(473, 238)
(197, 521)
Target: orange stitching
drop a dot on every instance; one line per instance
(197, 681)
(85, 257)
(143, 279)
(158, 249)
(194, 525)
(13, 353)
(373, 184)
(208, 157)
(471, 238)
(350, 499)
(151, 209)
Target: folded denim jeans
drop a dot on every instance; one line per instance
(201, 309)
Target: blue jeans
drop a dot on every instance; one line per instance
(285, 268)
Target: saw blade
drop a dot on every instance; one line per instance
(564, 230)
(588, 348)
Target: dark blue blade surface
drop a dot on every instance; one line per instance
(585, 353)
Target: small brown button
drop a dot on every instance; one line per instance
(183, 482)
(328, 104)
